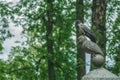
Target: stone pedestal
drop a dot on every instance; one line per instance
(100, 74)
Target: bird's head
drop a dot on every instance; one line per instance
(77, 23)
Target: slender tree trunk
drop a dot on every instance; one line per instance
(98, 22)
(80, 53)
(49, 27)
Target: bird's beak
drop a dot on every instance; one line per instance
(77, 23)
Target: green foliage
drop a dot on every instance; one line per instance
(1, 47)
(5, 12)
(30, 60)
(114, 46)
(113, 37)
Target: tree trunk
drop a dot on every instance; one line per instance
(98, 22)
(49, 38)
(80, 53)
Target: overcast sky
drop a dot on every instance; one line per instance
(16, 31)
(8, 43)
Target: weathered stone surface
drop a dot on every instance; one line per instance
(91, 47)
(100, 74)
(98, 60)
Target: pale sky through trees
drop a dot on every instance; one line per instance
(8, 43)
(16, 31)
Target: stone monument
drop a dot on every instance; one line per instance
(88, 42)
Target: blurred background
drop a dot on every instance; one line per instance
(38, 38)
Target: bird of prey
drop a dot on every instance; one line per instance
(89, 46)
(85, 31)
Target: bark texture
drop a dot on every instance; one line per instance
(80, 52)
(49, 38)
(98, 22)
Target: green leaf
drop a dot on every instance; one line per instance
(1, 47)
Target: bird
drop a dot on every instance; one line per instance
(89, 46)
(84, 30)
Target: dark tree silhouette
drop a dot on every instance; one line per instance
(49, 28)
(98, 22)
(80, 53)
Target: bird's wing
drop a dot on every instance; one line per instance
(89, 33)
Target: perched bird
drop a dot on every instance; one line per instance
(84, 30)
(89, 46)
